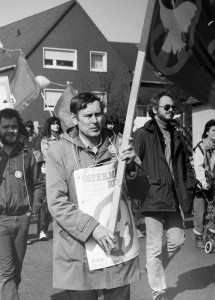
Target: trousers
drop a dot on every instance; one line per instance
(120, 293)
(199, 209)
(158, 254)
(13, 242)
(44, 218)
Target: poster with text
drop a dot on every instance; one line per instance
(95, 186)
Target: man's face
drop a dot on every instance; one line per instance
(89, 121)
(166, 109)
(9, 131)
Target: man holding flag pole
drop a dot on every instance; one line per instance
(83, 155)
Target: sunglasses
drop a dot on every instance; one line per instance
(168, 106)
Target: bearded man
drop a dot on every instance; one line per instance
(20, 184)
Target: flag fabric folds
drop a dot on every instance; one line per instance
(181, 45)
(23, 85)
(62, 108)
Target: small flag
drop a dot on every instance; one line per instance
(182, 45)
(62, 107)
(23, 85)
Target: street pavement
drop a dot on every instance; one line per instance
(190, 275)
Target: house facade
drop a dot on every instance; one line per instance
(70, 48)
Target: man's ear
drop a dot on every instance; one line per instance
(74, 118)
(154, 109)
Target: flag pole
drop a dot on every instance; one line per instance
(131, 111)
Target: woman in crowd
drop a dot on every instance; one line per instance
(53, 134)
(204, 165)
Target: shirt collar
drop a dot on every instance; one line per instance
(94, 149)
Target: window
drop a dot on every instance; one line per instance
(60, 58)
(98, 61)
(51, 98)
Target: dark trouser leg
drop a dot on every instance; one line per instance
(20, 244)
(44, 219)
(120, 293)
(13, 239)
(82, 295)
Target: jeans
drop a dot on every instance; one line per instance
(120, 293)
(199, 209)
(44, 218)
(13, 242)
(157, 254)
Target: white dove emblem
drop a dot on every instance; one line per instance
(176, 22)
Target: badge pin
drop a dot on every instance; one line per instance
(112, 150)
(18, 174)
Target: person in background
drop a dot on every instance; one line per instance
(204, 166)
(166, 162)
(112, 123)
(87, 145)
(21, 184)
(53, 134)
(41, 211)
(29, 126)
(34, 142)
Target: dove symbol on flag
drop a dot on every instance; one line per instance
(176, 22)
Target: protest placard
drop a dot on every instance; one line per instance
(95, 187)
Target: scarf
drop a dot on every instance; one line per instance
(164, 127)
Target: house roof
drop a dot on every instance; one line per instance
(128, 53)
(25, 34)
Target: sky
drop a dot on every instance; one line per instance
(119, 20)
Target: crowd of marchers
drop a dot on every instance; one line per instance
(38, 177)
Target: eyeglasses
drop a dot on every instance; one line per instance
(168, 106)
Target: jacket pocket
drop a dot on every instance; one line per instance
(157, 189)
(68, 248)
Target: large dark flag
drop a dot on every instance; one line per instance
(181, 45)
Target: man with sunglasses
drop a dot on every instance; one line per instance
(171, 194)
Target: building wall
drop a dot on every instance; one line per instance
(200, 115)
(75, 31)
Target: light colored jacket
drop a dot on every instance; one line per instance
(46, 142)
(72, 227)
(204, 161)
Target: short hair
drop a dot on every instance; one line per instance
(154, 101)
(10, 113)
(81, 100)
(50, 121)
(208, 125)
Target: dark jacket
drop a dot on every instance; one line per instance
(20, 180)
(165, 191)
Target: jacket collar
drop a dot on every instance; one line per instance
(152, 126)
(21, 143)
(73, 137)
